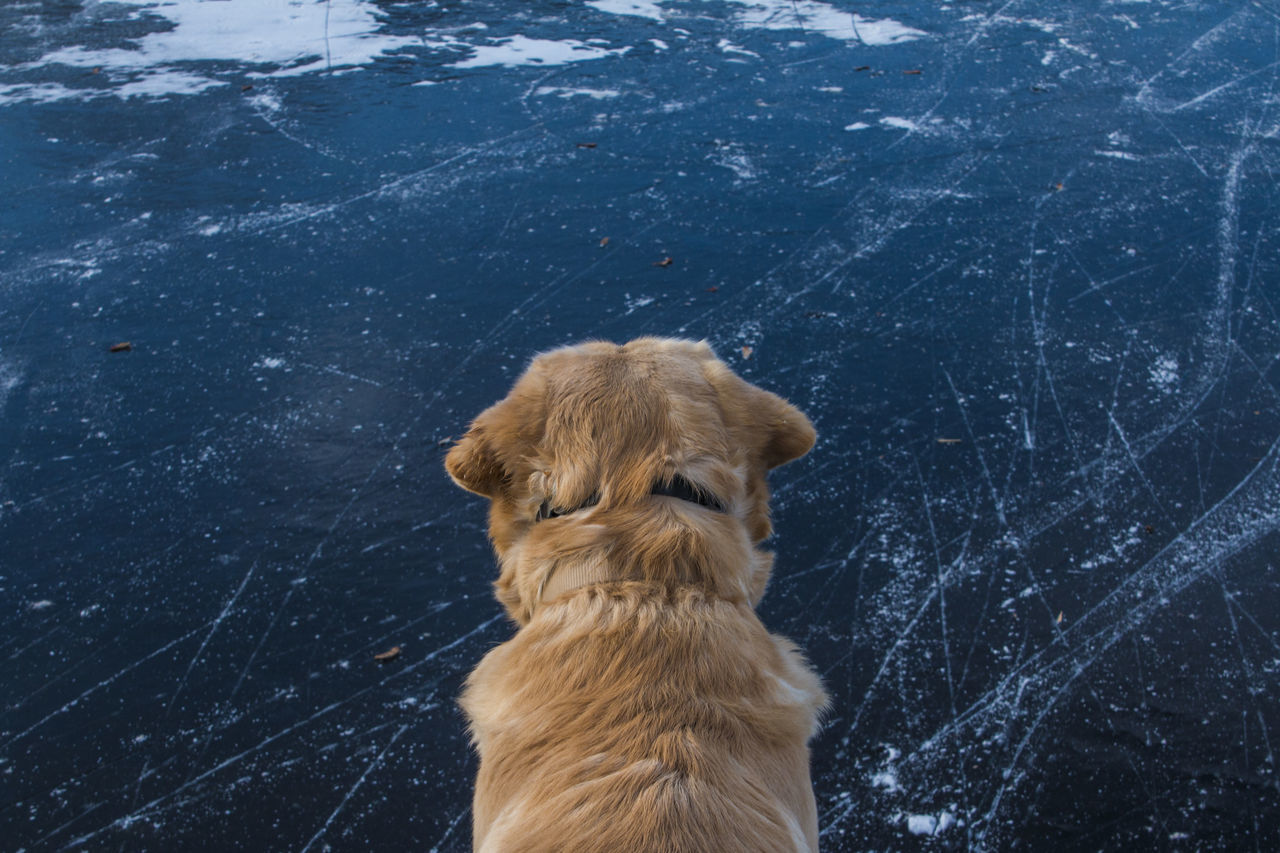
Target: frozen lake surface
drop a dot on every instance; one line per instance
(1018, 263)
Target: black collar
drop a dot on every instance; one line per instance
(678, 487)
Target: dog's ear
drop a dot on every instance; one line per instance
(494, 453)
(473, 463)
(778, 430)
(789, 434)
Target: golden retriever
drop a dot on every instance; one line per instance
(641, 705)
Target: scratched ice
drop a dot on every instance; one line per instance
(1018, 262)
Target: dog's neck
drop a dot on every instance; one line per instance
(676, 487)
(567, 578)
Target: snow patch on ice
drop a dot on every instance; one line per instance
(633, 303)
(727, 46)
(566, 92)
(1118, 155)
(737, 162)
(1164, 373)
(165, 83)
(634, 8)
(921, 824)
(266, 103)
(822, 18)
(887, 778)
(295, 37)
(927, 824)
(40, 93)
(518, 50)
(809, 16)
(900, 123)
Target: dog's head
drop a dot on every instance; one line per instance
(649, 457)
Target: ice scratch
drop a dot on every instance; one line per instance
(1243, 517)
(216, 622)
(372, 766)
(986, 472)
(104, 683)
(125, 821)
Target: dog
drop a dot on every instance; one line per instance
(641, 705)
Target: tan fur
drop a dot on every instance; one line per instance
(644, 707)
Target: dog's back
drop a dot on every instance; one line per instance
(625, 718)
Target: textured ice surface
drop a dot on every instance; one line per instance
(1018, 262)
